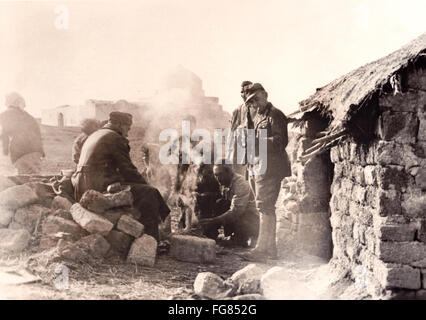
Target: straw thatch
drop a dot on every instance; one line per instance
(342, 98)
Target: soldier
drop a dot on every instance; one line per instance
(241, 119)
(266, 185)
(240, 218)
(105, 159)
(88, 126)
(21, 136)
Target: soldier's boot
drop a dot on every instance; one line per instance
(272, 243)
(260, 252)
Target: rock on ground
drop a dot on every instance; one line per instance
(143, 251)
(5, 183)
(248, 273)
(211, 286)
(192, 249)
(14, 240)
(30, 217)
(119, 241)
(61, 203)
(96, 244)
(130, 226)
(98, 202)
(6, 216)
(18, 197)
(90, 221)
(55, 224)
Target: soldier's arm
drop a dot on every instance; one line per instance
(279, 136)
(238, 205)
(124, 163)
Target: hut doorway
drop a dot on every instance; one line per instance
(61, 123)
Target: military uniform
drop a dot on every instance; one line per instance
(105, 159)
(240, 218)
(266, 183)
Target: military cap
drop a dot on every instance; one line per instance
(252, 89)
(120, 117)
(244, 84)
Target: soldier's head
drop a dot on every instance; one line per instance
(88, 126)
(257, 96)
(223, 173)
(244, 86)
(14, 99)
(121, 121)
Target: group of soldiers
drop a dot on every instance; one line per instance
(229, 196)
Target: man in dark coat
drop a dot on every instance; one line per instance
(21, 136)
(267, 171)
(88, 126)
(105, 159)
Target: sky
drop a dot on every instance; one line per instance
(57, 53)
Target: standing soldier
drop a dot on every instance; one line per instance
(242, 118)
(21, 136)
(267, 184)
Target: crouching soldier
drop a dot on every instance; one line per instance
(105, 159)
(240, 219)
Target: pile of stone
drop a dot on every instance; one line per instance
(253, 282)
(100, 225)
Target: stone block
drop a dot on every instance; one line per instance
(421, 178)
(398, 126)
(14, 240)
(98, 202)
(6, 216)
(423, 271)
(113, 215)
(18, 197)
(407, 253)
(119, 241)
(192, 249)
(370, 175)
(63, 214)
(249, 272)
(91, 222)
(394, 228)
(130, 226)
(392, 153)
(6, 183)
(143, 251)
(414, 204)
(388, 203)
(393, 276)
(55, 224)
(421, 234)
(30, 217)
(96, 244)
(48, 241)
(211, 286)
(393, 177)
(61, 203)
(409, 101)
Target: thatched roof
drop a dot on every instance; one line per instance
(344, 96)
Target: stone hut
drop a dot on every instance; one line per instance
(358, 193)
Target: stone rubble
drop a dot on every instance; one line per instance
(143, 251)
(192, 249)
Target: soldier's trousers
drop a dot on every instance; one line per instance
(149, 202)
(266, 190)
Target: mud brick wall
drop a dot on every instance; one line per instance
(378, 203)
(303, 206)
